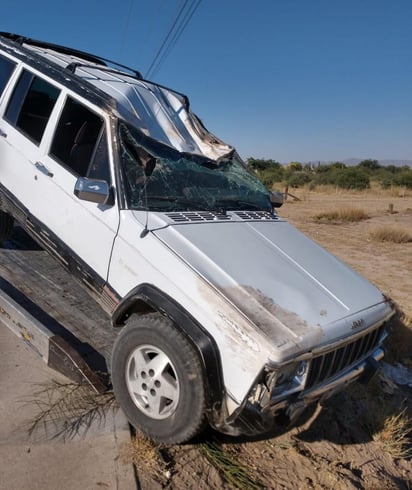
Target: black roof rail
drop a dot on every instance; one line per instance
(87, 57)
(69, 51)
(73, 66)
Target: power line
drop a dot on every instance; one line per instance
(126, 28)
(187, 18)
(180, 23)
(178, 15)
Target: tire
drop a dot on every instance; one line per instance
(6, 226)
(158, 380)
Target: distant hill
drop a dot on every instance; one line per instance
(356, 161)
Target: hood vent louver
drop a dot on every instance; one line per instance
(208, 216)
(256, 215)
(186, 216)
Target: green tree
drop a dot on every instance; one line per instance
(295, 166)
(369, 164)
(261, 164)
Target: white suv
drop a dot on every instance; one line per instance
(226, 313)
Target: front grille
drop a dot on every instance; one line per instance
(333, 362)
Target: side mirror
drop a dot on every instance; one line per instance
(276, 199)
(98, 191)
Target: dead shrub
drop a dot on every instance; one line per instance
(392, 234)
(67, 409)
(342, 215)
(395, 435)
(385, 416)
(147, 457)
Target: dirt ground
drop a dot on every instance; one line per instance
(351, 443)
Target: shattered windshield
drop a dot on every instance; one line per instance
(160, 178)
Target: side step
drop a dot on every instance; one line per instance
(53, 349)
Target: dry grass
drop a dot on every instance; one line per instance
(342, 215)
(232, 472)
(146, 456)
(392, 234)
(385, 416)
(68, 409)
(395, 435)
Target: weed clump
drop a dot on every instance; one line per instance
(232, 472)
(395, 435)
(391, 234)
(146, 456)
(342, 215)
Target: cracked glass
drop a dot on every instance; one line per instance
(160, 178)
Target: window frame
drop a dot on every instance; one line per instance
(8, 76)
(103, 134)
(19, 97)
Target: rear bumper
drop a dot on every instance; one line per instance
(250, 420)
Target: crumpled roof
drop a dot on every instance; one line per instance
(159, 112)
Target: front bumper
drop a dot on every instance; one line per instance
(251, 420)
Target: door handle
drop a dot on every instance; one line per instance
(3, 134)
(44, 170)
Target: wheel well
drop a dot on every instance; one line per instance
(146, 298)
(137, 306)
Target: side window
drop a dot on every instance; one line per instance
(31, 104)
(80, 143)
(6, 69)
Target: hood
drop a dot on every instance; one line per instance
(285, 283)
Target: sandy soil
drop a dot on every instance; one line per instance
(344, 447)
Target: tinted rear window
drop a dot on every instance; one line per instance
(6, 69)
(31, 104)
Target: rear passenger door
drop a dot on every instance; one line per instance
(23, 120)
(49, 140)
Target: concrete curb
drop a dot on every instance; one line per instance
(62, 357)
(53, 349)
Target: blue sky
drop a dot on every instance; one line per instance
(292, 80)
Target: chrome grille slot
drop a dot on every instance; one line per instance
(331, 363)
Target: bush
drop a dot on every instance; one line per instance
(298, 179)
(271, 175)
(404, 179)
(352, 178)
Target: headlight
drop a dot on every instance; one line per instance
(278, 382)
(287, 379)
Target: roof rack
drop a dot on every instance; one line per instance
(103, 62)
(73, 66)
(69, 51)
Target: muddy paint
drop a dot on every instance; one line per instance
(283, 328)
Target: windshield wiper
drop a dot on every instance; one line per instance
(179, 202)
(228, 204)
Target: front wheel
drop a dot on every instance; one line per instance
(6, 226)
(158, 380)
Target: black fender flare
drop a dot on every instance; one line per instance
(147, 295)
